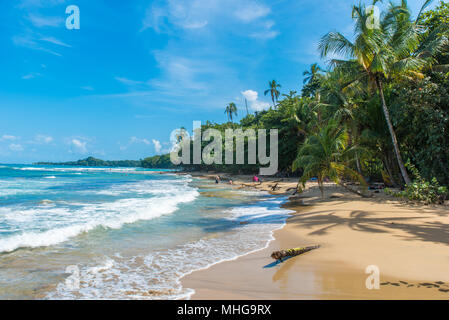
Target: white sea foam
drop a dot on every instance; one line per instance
(76, 169)
(158, 275)
(44, 225)
(20, 186)
(147, 187)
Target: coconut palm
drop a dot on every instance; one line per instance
(327, 154)
(273, 90)
(231, 109)
(378, 54)
(313, 74)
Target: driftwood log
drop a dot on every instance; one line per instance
(282, 254)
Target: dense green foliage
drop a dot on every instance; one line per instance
(157, 162)
(231, 110)
(327, 154)
(383, 103)
(93, 162)
(273, 91)
(422, 190)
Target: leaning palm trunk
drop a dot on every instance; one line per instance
(393, 134)
(357, 161)
(282, 254)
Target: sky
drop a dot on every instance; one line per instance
(135, 70)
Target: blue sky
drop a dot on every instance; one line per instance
(136, 70)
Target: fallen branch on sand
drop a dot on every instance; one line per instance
(279, 255)
(357, 192)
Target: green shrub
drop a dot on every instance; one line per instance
(421, 190)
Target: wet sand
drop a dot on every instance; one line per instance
(408, 243)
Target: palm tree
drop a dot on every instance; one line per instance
(313, 74)
(327, 154)
(231, 109)
(272, 89)
(379, 54)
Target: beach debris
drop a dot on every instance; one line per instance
(426, 284)
(395, 284)
(279, 255)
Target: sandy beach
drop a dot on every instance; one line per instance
(408, 243)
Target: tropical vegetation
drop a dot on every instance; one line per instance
(381, 103)
(94, 162)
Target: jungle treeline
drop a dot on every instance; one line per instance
(378, 112)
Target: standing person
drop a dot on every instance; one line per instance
(217, 179)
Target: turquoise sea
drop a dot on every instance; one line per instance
(121, 233)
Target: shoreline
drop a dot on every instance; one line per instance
(353, 233)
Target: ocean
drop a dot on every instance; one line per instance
(121, 233)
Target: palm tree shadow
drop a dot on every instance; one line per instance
(358, 220)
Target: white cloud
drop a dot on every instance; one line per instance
(43, 139)
(180, 74)
(137, 140)
(166, 16)
(55, 41)
(250, 95)
(157, 145)
(15, 147)
(195, 25)
(268, 34)
(193, 14)
(31, 76)
(39, 3)
(27, 41)
(41, 21)
(252, 11)
(7, 137)
(134, 141)
(127, 81)
(254, 102)
(80, 146)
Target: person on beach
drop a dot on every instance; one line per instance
(217, 179)
(230, 182)
(255, 178)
